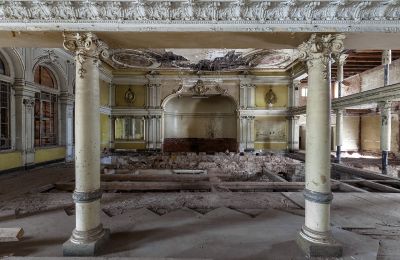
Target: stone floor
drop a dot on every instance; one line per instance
(194, 225)
(221, 233)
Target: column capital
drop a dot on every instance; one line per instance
(340, 59)
(319, 47)
(387, 57)
(85, 45)
(384, 105)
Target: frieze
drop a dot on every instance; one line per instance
(313, 15)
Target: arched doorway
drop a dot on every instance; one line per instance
(200, 124)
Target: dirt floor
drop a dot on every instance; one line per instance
(207, 225)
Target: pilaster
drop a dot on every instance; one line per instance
(24, 112)
(67, 124)
(294, 134)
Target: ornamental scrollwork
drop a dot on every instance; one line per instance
(199, 88)
(195, 10)
(318, 49)
(85, 45)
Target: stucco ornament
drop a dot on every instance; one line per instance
(317, 51)
(86, 46)
(258, 15)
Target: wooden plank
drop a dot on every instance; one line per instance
(347, 187)
(360, 173)
(11, 234)
(153, 177)
(379, 187)
(143, 186)
(272, 176)
(159, 177)
(267, 185)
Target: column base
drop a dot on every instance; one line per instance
(318, 244)
(80, 247)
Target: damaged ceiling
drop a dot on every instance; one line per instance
(202, 59)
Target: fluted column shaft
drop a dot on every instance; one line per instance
(316, 231)
(88, 49)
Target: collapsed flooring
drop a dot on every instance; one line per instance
(217, 224)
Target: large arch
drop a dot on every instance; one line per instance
(14, 65)
(200, 124)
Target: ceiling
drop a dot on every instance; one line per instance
(202, 59)
(359, 61)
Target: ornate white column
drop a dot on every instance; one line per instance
(89, 234)
(315, 236)
(340, 60)
(386, 130)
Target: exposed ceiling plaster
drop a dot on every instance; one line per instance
(202, 59)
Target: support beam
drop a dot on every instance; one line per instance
(89, 235)
(315, 237)
(11, 234)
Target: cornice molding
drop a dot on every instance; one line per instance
(206, 15)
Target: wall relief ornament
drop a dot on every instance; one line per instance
(85, 45)
(270, 97)
(248, 14)
(130, 96)
(199, 88)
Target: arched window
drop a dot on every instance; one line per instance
(46, 108)
(2, 68)
(5, 88)
(44, 77)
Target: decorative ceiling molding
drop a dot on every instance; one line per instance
(202, 15)
(235, 59)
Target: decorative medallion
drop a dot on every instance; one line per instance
(199, 88)
(130, 96)
(270, 97)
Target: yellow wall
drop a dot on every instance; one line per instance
(104, 131)
(10, 160)
(270, 146)
(281, 92)
(140, 95)
(104, 93)
(371, 133)
(129, 145)
(49, 154)
(270, 132)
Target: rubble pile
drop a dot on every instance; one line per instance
(231, 163)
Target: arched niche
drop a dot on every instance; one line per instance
(200, 124)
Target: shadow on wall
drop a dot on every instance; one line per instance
(200, 124)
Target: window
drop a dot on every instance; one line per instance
(303, 92)
(129, 128)
(5, 140)
(45, 119)
(2, 68)
(44, 77)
